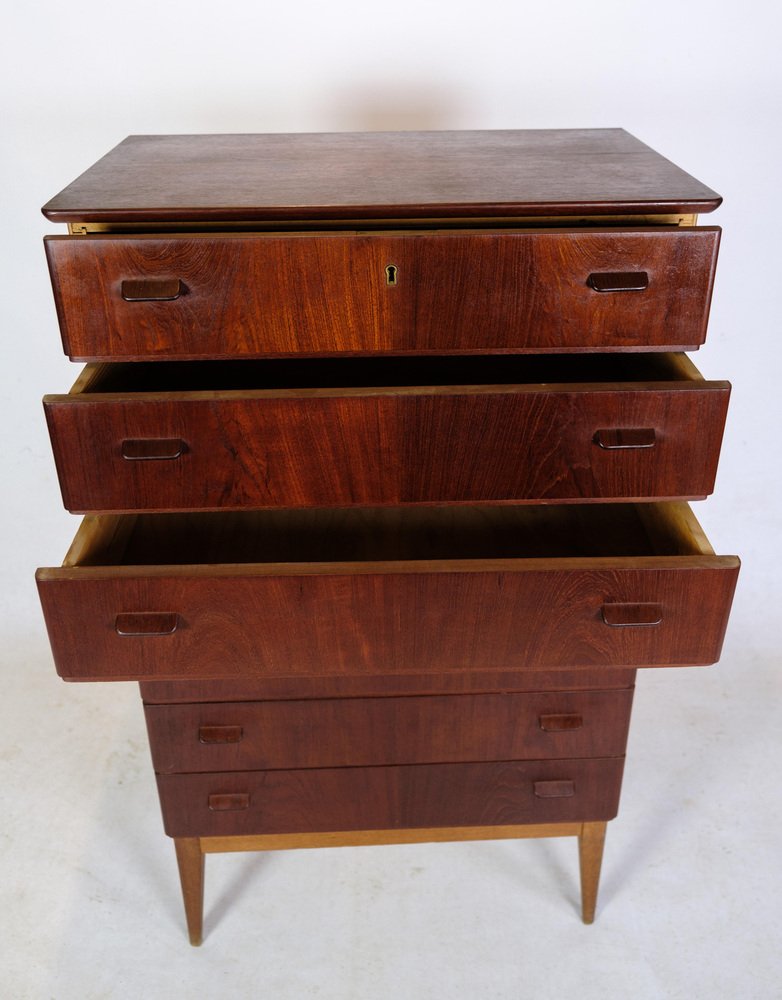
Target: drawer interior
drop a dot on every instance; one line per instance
(392, 372)
(389, 534)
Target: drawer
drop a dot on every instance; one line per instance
(221, 296)
(346, 732)
(260, 434)
(386, 590)
(387, 798)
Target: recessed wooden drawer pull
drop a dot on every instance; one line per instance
(618, 438)
(622, 615)
(151, 449)
(146, 623)
(554, 789)
(152, 290)
(620, 281)
(220, 734)
(227, 801)
(560, 723)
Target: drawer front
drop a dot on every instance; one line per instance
(418, 446)
(253, 296)
(382, 798)
(207, 622)
(350, 732)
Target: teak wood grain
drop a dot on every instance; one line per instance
(401, 175)
(257, 296)
(347, 732)
(245, 621)
(360, 798)
(240, 448)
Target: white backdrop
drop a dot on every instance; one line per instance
(698, 81)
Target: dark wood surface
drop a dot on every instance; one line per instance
(376, 798)
(408, 444)
(382, 685)
(255, 296)
(348, 732)
(378, 175)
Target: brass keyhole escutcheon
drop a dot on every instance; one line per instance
(391, 274)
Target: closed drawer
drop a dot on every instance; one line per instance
(345, 732)
(383, 798)
(199, 435)
(367, 591)
(136, 297)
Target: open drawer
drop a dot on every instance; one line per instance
(362, 591)
(339, 432)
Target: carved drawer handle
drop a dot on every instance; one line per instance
(624, 615)
(619, 281)
(146, 623)
(560, 723)
(152, 289)
(220, 734)
(619, 438)
(229, 801)
(554, 789)
(152, 449)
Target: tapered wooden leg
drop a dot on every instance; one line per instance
(590, 857)
(190, 859)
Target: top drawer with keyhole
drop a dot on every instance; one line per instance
(251, 295)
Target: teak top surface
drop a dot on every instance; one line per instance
(378, 175)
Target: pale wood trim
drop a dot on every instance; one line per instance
(676, 521)
(365, 838)
(101, 538)
(386, 226)
(591, 841)
(87, 377)
(190, 860)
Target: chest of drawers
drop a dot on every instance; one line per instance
(384, 442)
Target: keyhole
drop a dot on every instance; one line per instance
(391, 271)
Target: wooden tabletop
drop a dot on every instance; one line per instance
(378, 175)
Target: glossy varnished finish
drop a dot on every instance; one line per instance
(348, 732)
(118, 447)
(357, 798)
(402, 175)
(256, 296)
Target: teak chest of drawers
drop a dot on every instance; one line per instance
(384, 442)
